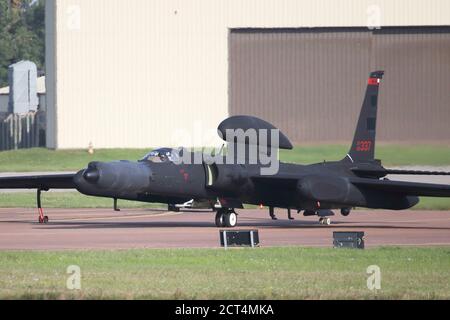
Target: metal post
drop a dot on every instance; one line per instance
(38, 198)
(289, 214)
(115, 205)
(272, 213)
(225, 244)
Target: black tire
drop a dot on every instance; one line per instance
(173, 208)
(45, 219)
(345, 211)
(230, 219)
(220, 223)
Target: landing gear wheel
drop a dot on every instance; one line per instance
(173, 208)
(230, 219)
(42, 218)
(320, 220)
(220, 223)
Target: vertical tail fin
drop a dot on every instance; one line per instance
(363, 146)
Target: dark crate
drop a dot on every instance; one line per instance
(238, 238)
(346, 239)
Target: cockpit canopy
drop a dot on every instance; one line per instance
(162, 155)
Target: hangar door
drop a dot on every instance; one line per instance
(311, 82)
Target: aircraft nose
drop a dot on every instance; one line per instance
(91, 173)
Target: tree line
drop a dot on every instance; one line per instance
(22, 34)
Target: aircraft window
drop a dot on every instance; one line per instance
(161, 155)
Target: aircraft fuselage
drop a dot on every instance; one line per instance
(303, 187)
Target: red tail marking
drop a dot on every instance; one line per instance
(363, 145)
(373, 81)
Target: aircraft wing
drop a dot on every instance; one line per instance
(406, 188)
(44, 182)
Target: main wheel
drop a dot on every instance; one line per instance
(45, 219)
(173, 208)
(230, 219)
(345, 211)
(220, 223)
(327, 221)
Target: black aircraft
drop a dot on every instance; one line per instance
(358, 180)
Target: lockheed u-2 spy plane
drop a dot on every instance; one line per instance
(358, 180)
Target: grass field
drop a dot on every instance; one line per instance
(67, 200)
(261, 273)
(66, 160)
(77, 200)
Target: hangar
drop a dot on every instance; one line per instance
(145, 73)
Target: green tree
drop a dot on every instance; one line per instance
(22, 34)
(6, 50)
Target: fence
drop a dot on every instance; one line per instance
(18, 131)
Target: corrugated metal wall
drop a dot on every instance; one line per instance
(131, 74)
(415, 97)
(311, 82)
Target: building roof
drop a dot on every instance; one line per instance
(40, 86)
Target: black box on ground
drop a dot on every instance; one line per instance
(348, 239)
(237, 238)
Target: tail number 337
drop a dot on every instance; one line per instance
(363, 145)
